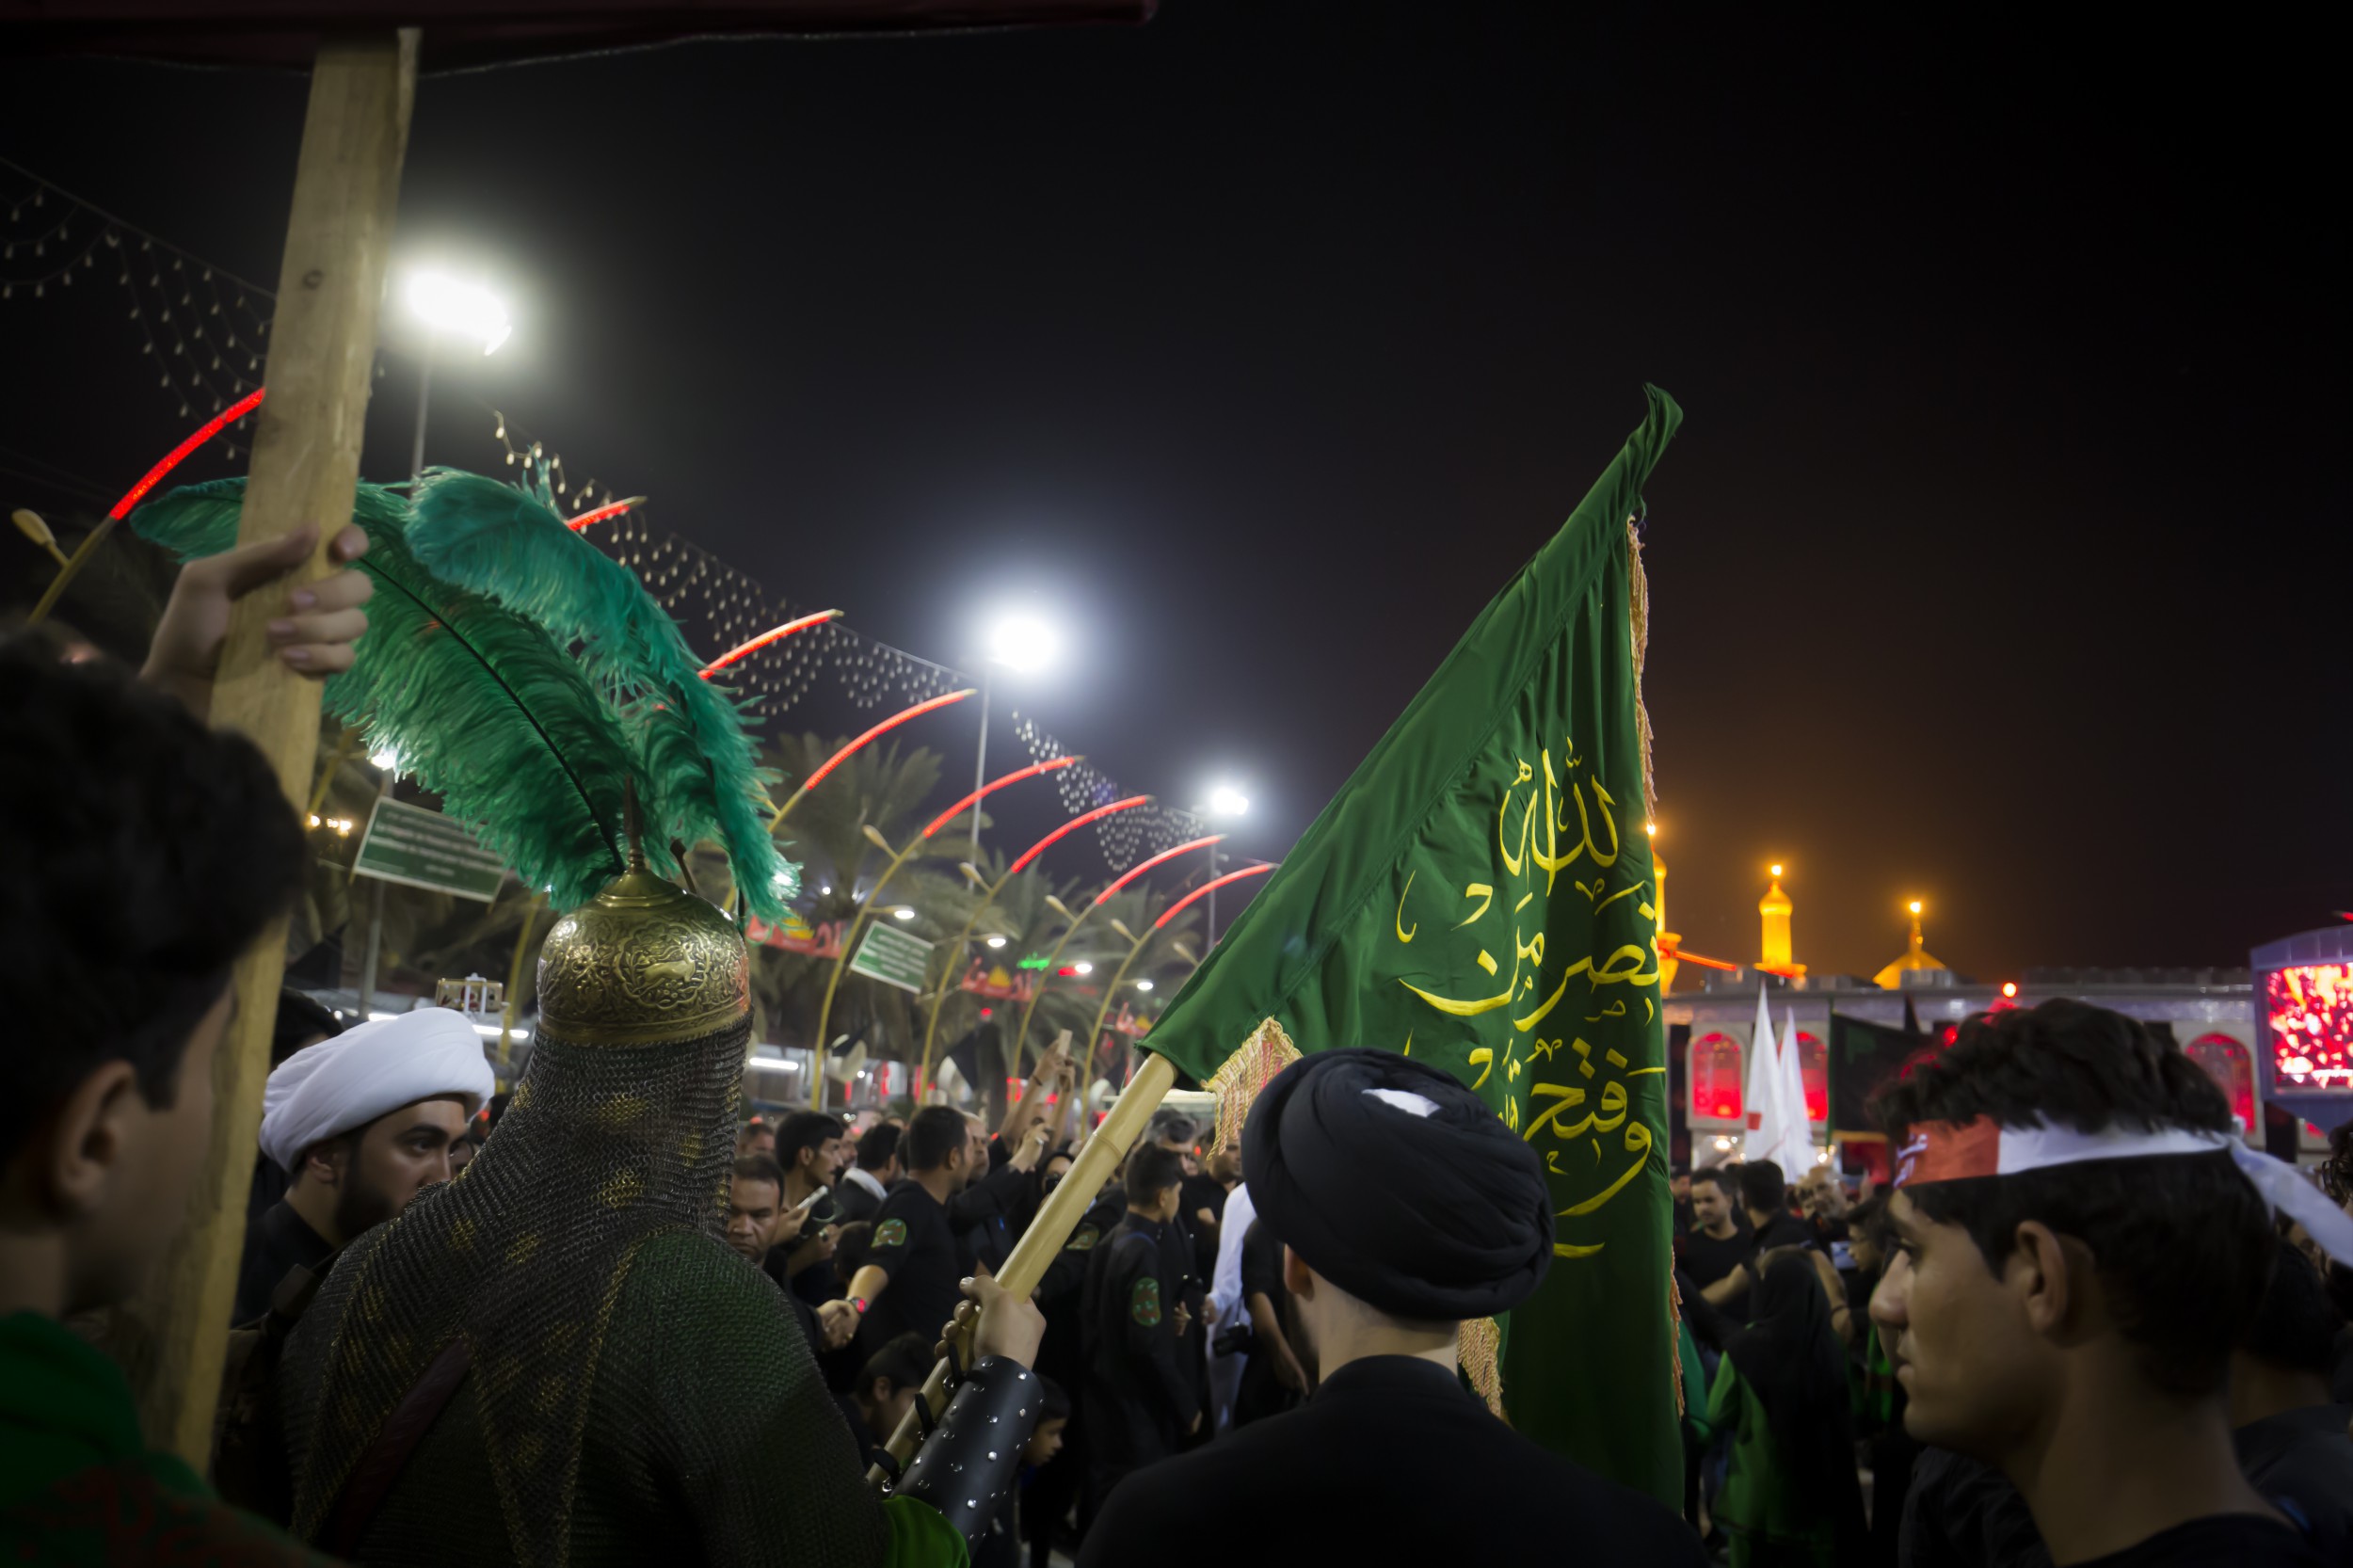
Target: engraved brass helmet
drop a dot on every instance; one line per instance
(643, 963)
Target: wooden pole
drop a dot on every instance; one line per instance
(306, 462)
(1056, 1218)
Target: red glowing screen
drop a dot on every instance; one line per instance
(1814, 1069)
(2226, 1062)
(2308, 1010)
(1716, 1089)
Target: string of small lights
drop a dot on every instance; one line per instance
(720, 607)
(205, 331)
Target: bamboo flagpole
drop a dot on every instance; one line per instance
(306, 463)
(1056, 1218)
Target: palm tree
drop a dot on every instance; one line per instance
(881, 789)
(1030, 912)
(1126, 950)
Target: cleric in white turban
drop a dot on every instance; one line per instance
(361, 1123)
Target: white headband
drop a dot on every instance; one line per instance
(1946, 1151)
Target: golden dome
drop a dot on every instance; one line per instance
(1775, 902)
(1916, 958)
(642, 963)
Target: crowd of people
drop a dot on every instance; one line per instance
(2091, 1345)
(2083, 1325)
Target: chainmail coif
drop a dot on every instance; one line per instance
(636, 1390)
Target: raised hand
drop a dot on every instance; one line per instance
(314, 636)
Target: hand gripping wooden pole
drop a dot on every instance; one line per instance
(306, 462)
(1056, 1218)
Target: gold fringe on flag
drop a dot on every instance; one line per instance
(1637, 617)
(1674, 1329)
(1236, 1084)
(1479, 1346)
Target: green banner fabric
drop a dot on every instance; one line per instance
(1479, 895)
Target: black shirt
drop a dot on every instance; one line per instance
(2301, 1461)
(871, 1446)
(1137, 1394)
(1262, 1266)
(2224, 1541)
(1202, 1190)
(911, 1242)
(1708, 1259)
(815, 1283)
(1260, 1393)
(1961, 1514)
(278, 1242)
(982, 1216)
(1786, 1230)
(1323, 1484)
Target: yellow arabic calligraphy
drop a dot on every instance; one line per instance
(1624, 965)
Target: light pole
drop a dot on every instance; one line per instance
(1023, 643)
(440, 306)
(446, 307)
(1226, 802)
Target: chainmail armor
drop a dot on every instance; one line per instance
(637, 1391)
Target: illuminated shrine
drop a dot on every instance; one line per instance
(2276, 1037)
(1917, 967)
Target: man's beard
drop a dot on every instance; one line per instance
(359, 1208)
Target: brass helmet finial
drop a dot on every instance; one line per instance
(642, 963)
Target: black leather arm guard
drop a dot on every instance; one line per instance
(970, 1460)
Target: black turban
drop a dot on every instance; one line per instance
(1436, 1217)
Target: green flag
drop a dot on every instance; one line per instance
(1479, 896)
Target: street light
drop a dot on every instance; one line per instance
(1025, 645)
(450, 307)
(1225, 801)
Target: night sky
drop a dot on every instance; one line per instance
(2001, 562)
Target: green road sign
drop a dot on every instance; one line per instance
(893, 957)
(419, 848)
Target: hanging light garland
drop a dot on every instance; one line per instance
(205, 332)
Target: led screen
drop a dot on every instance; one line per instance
(2308, 1008)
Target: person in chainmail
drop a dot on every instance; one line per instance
(555, 1360)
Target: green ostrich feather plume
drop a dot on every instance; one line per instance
(506, 542)
(481, 703)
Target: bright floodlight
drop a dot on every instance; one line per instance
(1023, 643)
(1083, 966)
(1143, 985)
(388, 760)
(465, 310)
(1227, 801)
(996, 941)
(903, 914)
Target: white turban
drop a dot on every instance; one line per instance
(372, 1071)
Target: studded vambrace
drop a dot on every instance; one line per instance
(971, 1457)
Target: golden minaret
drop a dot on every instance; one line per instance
(1775, 910)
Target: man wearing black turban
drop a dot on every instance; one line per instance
(1404, 1208)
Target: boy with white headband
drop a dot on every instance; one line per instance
(2080, 1241)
